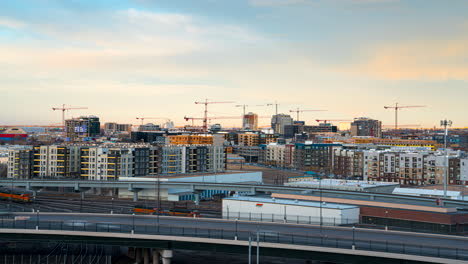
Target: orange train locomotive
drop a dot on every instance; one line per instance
(15, 196)
(139, 209)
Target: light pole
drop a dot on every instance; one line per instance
(235, 237)
(446, 124)
(37, 220)
(320, 190)
(112, 205)
(353, 246)
(386, 220)
(133, 223)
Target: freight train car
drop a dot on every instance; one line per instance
(141, 209)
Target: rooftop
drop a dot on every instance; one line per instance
(291, 202)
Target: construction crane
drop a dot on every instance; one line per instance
(402, 125)
(143, 119)
(244, 106)
(327, 120)
(217, 117)
(63, 109)
(300, 111)
(397, 107)
(276, 106)
(205, 118)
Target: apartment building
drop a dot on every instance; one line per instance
(273, 154)
(348, 163)
(56, 161)
(248, 139)
(20, 163)
(192, 159)
(366, 127)
(314, 156)
(191, 140)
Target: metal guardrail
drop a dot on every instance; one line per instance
(26, 222)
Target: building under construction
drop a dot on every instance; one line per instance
(81, 128)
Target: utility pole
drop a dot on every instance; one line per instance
(446, 124)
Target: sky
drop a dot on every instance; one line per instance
(154, 58)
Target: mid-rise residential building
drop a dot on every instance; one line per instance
(20, 163)
(248, 139)
(115, 127)
(366, 127)
(314, 157)
(273, 154)
(321, 128)
(191, 140)
(348, 163)
(56, 161)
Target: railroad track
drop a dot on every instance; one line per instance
(58, 203)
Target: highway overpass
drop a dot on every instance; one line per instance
(333, 244)
(197, 187)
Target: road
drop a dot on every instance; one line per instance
(245, 226)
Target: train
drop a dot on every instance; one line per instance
(14, 195)
(141, 209)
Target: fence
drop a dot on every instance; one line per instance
(293, 219)
(230, 234)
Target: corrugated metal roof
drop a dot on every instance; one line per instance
(413, 191)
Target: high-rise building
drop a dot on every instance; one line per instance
(279, 121)
(115, 127)
(250, 121)
(363, 126)
(78, 129)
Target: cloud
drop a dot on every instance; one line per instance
(277, 2)
(11, 23)
(414, 60)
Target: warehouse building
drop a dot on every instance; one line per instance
(288, 210)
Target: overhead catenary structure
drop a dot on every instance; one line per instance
(63, 109)
(297, 111)
(397, 107)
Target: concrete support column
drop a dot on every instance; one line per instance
(135, 196)
(137, 255)
(155, 256)
(166, 255)
(82, 195)
(146, 255)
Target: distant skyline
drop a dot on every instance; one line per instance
(129, 58)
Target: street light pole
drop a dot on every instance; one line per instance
(112, 205)
(37, 220)
(354, 245)
(321, 219)
(445, 123)
(133, 223)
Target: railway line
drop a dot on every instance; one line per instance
(71, 202)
